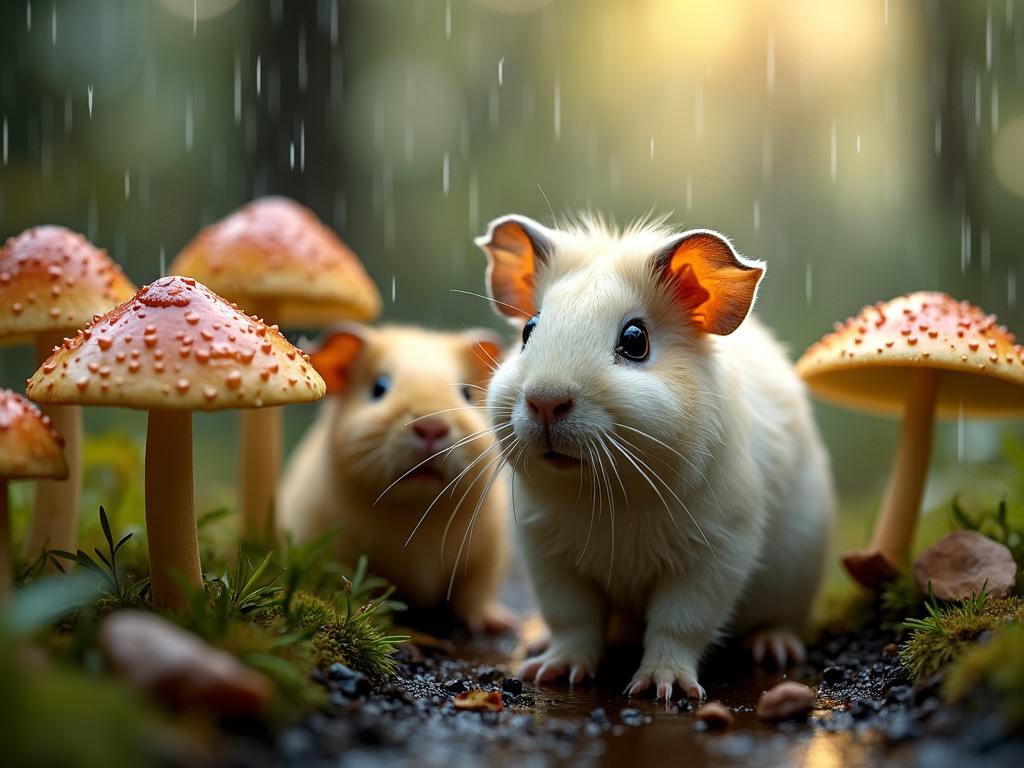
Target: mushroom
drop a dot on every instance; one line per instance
(29, 447)
(274, 258)
(52, 281)
(173, 348)
(924, 355)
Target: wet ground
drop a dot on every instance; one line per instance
(867, 713)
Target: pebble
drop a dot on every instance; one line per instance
(512, 686)
(715, 715)
(631, 716)
(786, 701)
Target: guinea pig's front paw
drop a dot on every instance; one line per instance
(554, 665)
(664, 677)
(781, 646)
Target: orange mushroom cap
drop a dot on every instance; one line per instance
(54, 280)
(274, 252)
(29, 446)
(865, 363)
(176, 345)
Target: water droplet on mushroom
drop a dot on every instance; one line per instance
(82, 383)
(234, 379)
(182, 385)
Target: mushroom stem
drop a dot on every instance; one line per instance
(170, 511)
(259, 470)
(55, 520)
(6, 559)
(897, 518)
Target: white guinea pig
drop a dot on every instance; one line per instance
(399, 458)
(665, 461)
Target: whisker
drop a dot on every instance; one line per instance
(493, 301)
(467, 537)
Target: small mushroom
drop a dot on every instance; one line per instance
(52, 281)
(275, 259)
(173, 348)
(29, 447)
(924, 355)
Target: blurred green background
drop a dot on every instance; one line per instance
(863, 148)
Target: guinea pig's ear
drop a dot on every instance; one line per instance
(486, 349)
(335, 351)
(515, 246)
(714, 284)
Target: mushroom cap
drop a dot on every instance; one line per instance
(274, 255)
(865, 364)
(29, 446)
(176, 345)
(53, 280)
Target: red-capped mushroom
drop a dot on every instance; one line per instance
(275, 259)
(173, 348)
(52, 281)
(29, 447)
(923, 355)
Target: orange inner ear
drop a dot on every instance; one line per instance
(511, 271)
(333, 361)
(715, 287)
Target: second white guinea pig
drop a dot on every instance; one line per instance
(400, 460)
(665, 462)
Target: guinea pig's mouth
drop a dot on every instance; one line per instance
(560, 460)
(424, 474)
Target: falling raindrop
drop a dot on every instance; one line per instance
(558, 107)
(808, 282)
(988, 40)
(127, 185)
(446, 174)
(28, 16)
(886, 12)
(757, 215)
(448, 20)
(303, 64)
(90, 101)
(53, 26)
(302, 146)
(501, 70)
(994, 110)
(393, 288)
(291, 155)
(238, 90)
(163, 261)
(259, 75)
(652, 149)
(189, 123)
(965, 242)
(6, 141)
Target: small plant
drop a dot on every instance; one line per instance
(947, 632)
(109, 576)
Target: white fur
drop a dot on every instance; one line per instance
(704, 499)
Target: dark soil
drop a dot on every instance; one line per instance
(868, 712)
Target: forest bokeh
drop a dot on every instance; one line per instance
(862, 148)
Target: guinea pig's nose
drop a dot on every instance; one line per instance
(430, 431)
(549, 409)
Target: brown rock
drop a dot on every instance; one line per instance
(961, 563)
(715, 715)
(179, 668)
(786, 701)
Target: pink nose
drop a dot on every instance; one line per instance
(430, 431)
(549, 409)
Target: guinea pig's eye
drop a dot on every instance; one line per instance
(633, 342)
(380, 387)
(528, 328)
(467, 393)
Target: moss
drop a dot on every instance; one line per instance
(952, 631)
(356, 643)
(993, 673)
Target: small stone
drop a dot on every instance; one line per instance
(715, 715)
(963, 562)
(786, 701)
(455, 686)
(488, 674)
(833, 675)
(180, 668)
(512, 686)
(632, 716)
